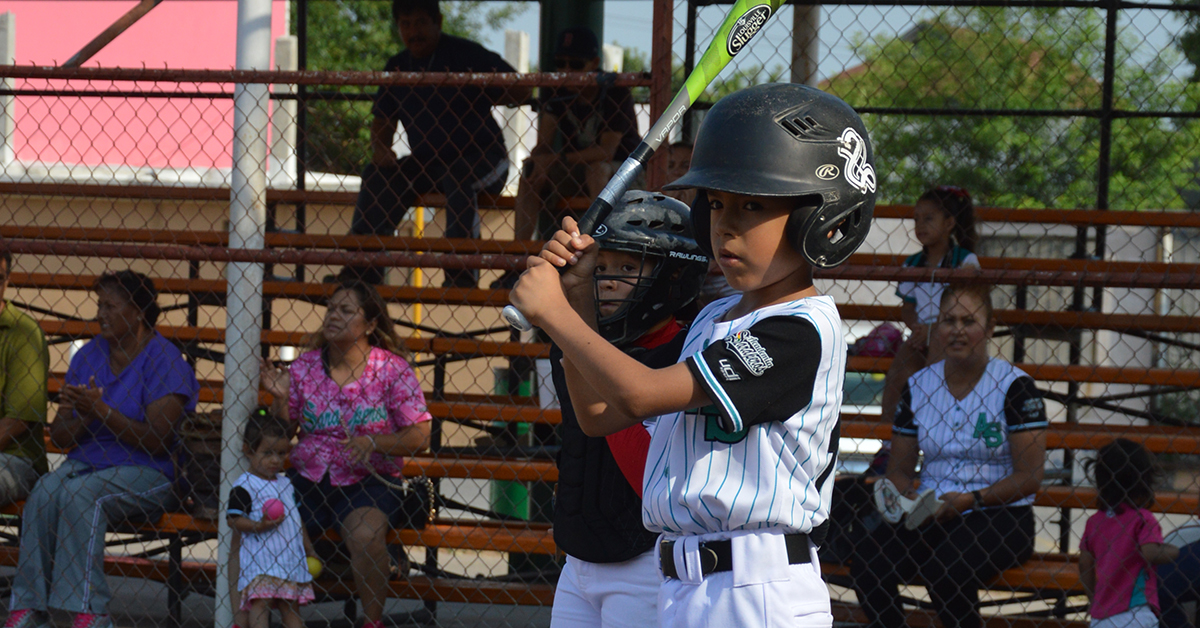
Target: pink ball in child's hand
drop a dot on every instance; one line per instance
(273, 509)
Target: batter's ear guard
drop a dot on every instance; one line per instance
(825, 234)
(700, 223)
(830, 234)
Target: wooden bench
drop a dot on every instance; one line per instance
(188, 576)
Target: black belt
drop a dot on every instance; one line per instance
(718, 555)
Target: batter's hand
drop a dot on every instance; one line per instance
(568, 248)
(538, 293)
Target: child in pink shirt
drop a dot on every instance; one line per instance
(1122, 543)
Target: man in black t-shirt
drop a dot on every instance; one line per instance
(583, 136)
(457, 147)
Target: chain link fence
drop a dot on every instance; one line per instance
(1071, 126)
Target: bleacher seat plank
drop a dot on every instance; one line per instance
(480, 468)
(470, 535)
(494, 412)
(1070, 217)
(885, 263)
(273, 240)
(217, 194)
(1139, 376)
(1085, 497)
(1156, 438)
(863, 267)
(1056, 572)
(198, 574)
(214, 290)
(216, 335)
(211, 391)
(482, 297)
(1063, 320)
(473, 591)
(845, 612)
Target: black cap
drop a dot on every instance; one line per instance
(579, 42)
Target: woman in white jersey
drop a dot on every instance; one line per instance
(981, 424)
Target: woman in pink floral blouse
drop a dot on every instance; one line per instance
(360, 410)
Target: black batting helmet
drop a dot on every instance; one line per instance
(784, 139)
(659, 229)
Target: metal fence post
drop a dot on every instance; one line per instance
(247, 218)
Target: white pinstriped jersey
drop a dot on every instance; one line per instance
(965, 442)
(761, 455)
(278, 552)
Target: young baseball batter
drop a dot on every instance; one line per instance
(737, 479)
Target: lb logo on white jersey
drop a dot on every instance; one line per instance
(747, 349)
(853, 149)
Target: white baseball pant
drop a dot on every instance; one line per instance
(761, 591)
(608, 595)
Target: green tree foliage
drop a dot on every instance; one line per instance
(1022, 59)
(1189, 40)
(360, 35)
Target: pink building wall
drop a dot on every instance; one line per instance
(138, 132)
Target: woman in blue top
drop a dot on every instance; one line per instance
(124, 392)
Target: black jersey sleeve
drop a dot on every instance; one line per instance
(904, 421)
(761, 374)
(1024, 408)
(240, 503)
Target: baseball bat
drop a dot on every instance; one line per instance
(744, 21)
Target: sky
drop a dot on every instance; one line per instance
(628, 23)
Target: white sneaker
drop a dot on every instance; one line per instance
(921, 509)
(888, 501)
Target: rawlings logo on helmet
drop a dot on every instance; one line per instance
(688, 256)
(853, 149)
(828, 172)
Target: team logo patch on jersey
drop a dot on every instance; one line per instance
(853, 149)
(1033, 407)
(989, 432)
(747, 349)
